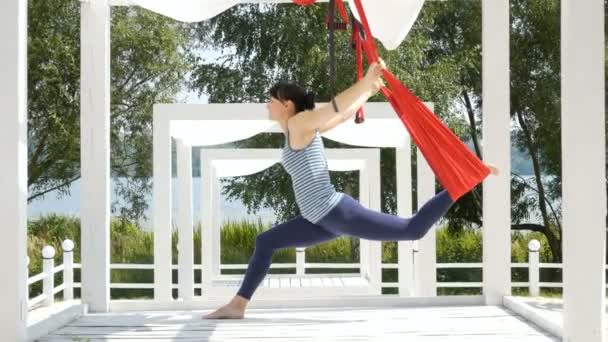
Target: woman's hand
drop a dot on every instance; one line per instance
(374, 76)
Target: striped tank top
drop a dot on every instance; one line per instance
(315, 195)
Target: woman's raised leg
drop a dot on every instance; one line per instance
(351, 218)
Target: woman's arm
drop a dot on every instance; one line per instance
(348, 102)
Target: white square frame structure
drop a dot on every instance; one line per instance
(219, 163)
(214, 124)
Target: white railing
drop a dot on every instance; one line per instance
(49, 288)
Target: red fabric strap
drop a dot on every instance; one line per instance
(455, 166)
(304, 2)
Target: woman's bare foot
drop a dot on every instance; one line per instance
(226, 312)
(493, 169)
(233, 310)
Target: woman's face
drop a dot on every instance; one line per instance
(277, 110)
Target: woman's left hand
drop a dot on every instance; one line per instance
(374, 75)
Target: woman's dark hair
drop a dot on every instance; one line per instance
(285, 91)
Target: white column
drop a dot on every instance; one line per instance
(496, 150)
(405, 249)
(216, 189)
(206, 223)
(95, 153)
(375, 204)
(426, 258)
(13, 173)
(185, 224)
(162, 207)
(364, 192)
(583, 169)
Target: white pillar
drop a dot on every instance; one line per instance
(426, 258)
(375, 194)
(206, 223)
(185, 224)
(583, 169)
(216, 189)
(13, 173)
(364, 245)
(95, 153)
(496, 150)
(405, 249)
(161, 192)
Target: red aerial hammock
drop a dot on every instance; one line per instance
(455, 166)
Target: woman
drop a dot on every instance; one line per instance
(325, 213)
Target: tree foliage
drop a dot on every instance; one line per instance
(149, 58)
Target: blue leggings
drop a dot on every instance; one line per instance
(348, 218)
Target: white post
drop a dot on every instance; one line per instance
(405, 249)
(206, 223)
(95, 153)
(533, 267)
(27, 276)
(300, 260)
(497, 150)
(162, 208)
(364, 245)
(13, 173)
(185, 225)
(583, 169)
(375, 262)
(216, 190)
(48, 283)
(426, 258)
(68, 269)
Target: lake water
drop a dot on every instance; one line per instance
(70, 205)
(230, 210)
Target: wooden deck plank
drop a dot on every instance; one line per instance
(430, 324)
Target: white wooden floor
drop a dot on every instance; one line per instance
(551, 310)
(426, 324)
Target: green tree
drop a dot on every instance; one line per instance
(149, 56)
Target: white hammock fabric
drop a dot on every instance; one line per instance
(390, 20)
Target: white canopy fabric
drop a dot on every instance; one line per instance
(389, 20)
(215, 124)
